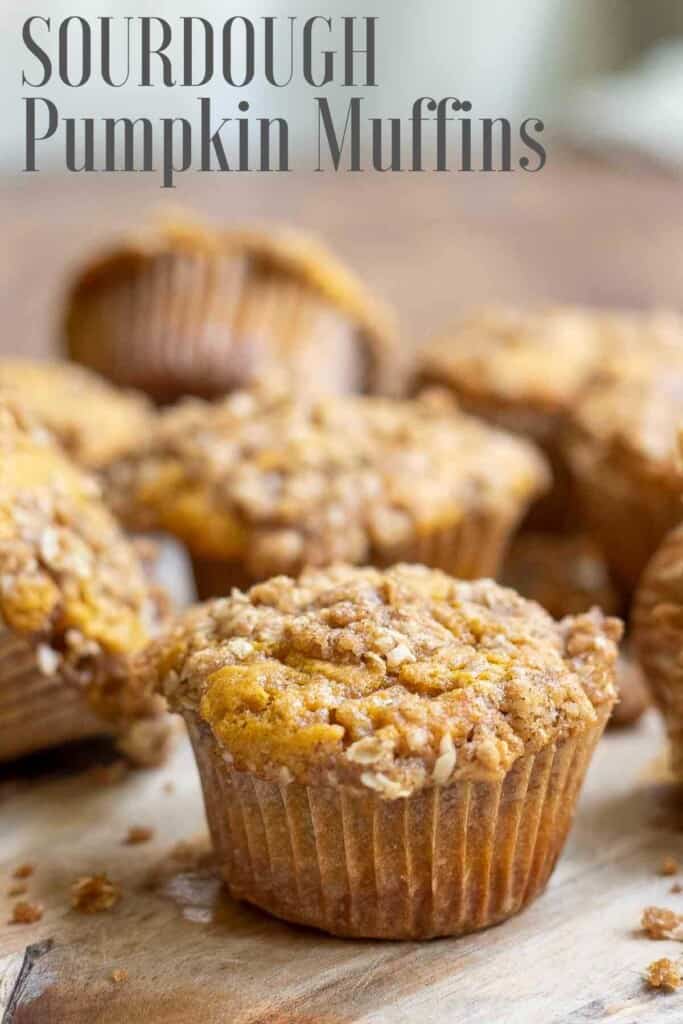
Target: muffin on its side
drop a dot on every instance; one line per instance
(658, 634)
(74, 606)
(390, 754)
(182, 310)
(261, 484)
(93, 421)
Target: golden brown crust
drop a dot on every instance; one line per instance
(278, 484)
(621, 445)
(233, 263)
(71, 585)
(497, 362)
(92, 421)
(392, 681)
(657, 618)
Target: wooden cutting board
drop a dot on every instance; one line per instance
(193, 955)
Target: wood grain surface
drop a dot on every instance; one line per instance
(432, 245)
(192, 954)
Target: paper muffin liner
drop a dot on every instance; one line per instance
(471, 549)
(37, 710)
(445, 861)
(202, 323)
(628, 513)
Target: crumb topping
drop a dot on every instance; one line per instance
(94, 894)
(138, 834)
(93, 421)
(70, 583)
(504, 354)
(662, 923)
(24, 912)
(664, 974)
(23, 871)
(280, 484)
(669, 866)
(119, 975)
(392, 680)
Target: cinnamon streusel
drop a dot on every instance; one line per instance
(526, 370)
(261, 484)
(93, 421)
(179, 309)
(393, 754)
(74, 604)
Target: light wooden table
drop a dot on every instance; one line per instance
(433, 245)
(193, 955)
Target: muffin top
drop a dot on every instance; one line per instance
(92, 420)
(632, 413)
(543, 360)
(279, 253)
(280, 483)
(70, 582)
(537, 358)
(392, 680)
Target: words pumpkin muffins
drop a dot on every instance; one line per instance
(74, 606)
(260, 484)
(93, 421)
(391, 754)
(181, 310)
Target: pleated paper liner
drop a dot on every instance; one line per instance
(445, 861)
(206, 320)
(470, 549)
(628, 512)
(37, 710)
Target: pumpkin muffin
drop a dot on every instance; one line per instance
(621, 445)
(179, 310)
(74, 606)
(526, 370)
(390, 754)
(567, 575)
(261, 484)
(92, 421)
(658, 634)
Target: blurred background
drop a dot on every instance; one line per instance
(600, 224)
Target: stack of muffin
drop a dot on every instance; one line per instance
(390, 743)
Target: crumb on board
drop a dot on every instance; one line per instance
(93, 894)
(676, 887)
(110, 774)
(18, 889)
(138, 834)
(169, 787)
(662, 923)
(119, 975)
(24, 871)
(669, 866)
(663, 974)
(24, 912)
